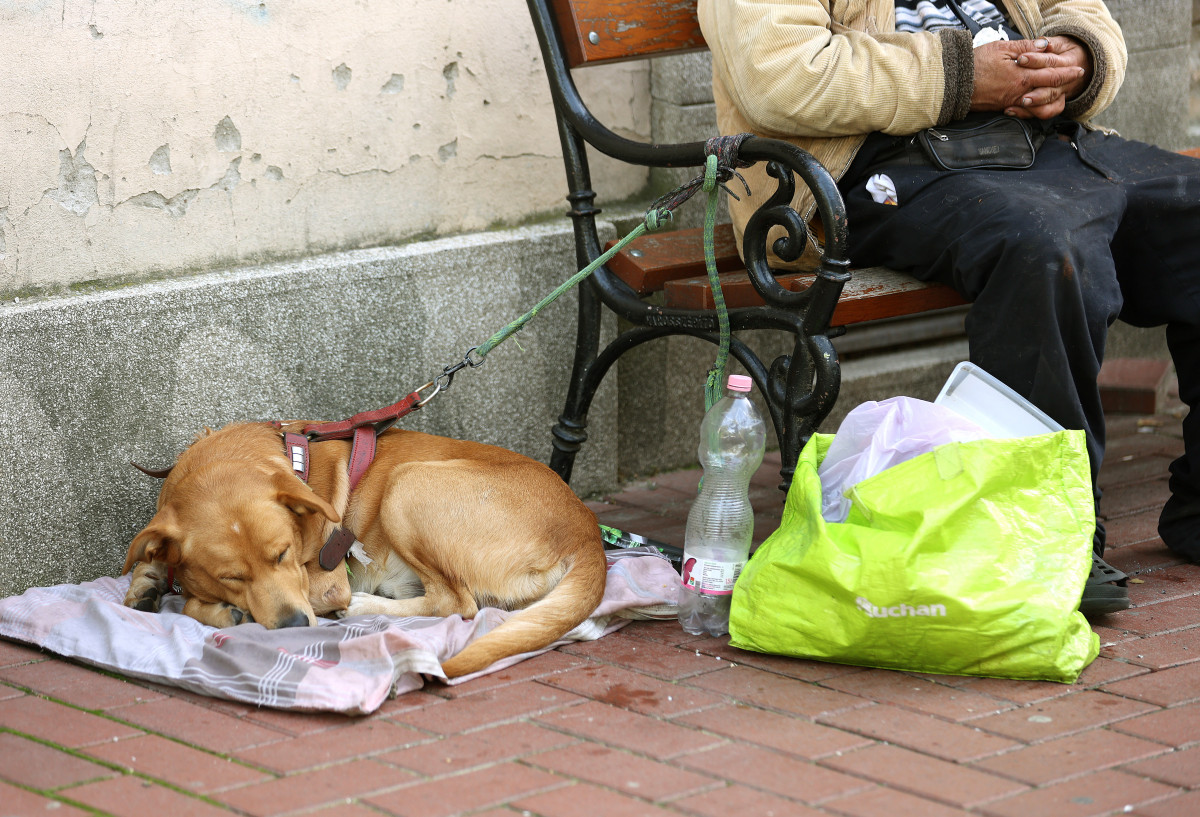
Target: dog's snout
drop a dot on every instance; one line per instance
(296, 619)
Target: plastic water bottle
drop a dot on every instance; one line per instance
(720, 524)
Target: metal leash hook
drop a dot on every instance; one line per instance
(442, 381)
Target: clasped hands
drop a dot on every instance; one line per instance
(1030, 78)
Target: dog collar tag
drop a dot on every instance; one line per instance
(334, 551)
(296, 446)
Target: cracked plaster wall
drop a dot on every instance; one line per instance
(158, 137)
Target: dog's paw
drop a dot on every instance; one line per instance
(147, 599)
(147, 586)
(219, 614)
(363, 604)
(226, 615)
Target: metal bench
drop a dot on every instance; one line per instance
(800, 388)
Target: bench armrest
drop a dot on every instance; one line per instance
(576, 122)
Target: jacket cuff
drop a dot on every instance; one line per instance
(1080, 105)
(958, 64)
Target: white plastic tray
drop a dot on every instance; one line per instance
(984, 400)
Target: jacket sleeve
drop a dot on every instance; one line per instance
(792, 71)
(1089, 22)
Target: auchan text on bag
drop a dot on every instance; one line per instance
(900, 610)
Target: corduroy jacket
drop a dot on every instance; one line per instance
(823, 74)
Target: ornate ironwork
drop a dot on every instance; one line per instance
(800, 388)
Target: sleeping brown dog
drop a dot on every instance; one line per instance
(448, 527)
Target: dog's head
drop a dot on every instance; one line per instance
(233, 532)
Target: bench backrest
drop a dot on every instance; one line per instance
(596, 31)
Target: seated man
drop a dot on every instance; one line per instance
(1095, 228)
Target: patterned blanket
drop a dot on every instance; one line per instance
(350, 666)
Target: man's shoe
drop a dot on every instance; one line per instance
(1179, 528)
(1105, 591)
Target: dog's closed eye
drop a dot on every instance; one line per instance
(279, 558)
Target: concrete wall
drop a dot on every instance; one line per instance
(1152, 104)
(150, 138)
(1194, 65)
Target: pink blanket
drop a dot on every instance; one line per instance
(350, 666)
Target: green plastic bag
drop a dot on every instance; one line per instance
(967, 560)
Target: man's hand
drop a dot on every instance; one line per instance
(1061, 52)
(1029, 78)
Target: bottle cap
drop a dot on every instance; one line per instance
(740, 382)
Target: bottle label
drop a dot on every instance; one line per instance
(708, 577)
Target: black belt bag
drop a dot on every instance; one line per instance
(1002, 142)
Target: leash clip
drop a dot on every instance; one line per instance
(442, 381)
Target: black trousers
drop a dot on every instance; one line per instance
(1099, 228)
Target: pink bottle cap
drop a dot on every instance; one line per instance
(740, 382)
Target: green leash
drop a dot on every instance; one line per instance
(714, 388)
(655, 219)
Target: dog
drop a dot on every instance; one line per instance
(446, 527)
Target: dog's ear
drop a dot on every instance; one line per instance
(300, 499)
(157, 542)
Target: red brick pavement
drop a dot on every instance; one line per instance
(650, 721)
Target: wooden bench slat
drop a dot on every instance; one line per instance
(695, 293)
(652, 260)
(873, 293)
(626, 29)
(674, 263)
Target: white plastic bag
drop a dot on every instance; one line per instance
(875, 436)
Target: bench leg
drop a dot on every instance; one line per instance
(570, 432)
(802, 388)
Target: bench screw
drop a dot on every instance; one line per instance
(593, 38)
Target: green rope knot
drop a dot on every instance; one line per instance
(710, 174)
(657, 218)
(714, 386)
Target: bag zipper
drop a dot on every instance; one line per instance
(958, 132)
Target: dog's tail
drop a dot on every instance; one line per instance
(568, 604)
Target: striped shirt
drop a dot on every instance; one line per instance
(934, 15)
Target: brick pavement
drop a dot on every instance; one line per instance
(649, 721)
